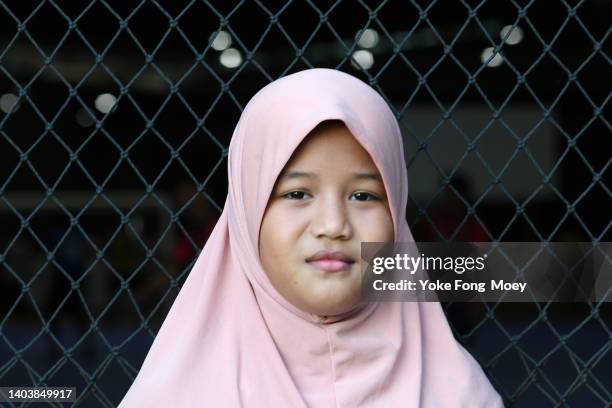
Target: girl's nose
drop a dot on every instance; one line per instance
(331, 220)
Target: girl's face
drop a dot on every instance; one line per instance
(327, 200)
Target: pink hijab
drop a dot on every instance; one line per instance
(231, 340)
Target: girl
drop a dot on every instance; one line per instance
(270, 315)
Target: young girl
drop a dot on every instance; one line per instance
(271, 315)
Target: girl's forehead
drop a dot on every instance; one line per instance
(329, 145)
(345, 162)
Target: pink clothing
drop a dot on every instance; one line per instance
(231, 340)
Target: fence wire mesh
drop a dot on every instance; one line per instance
(114, 126)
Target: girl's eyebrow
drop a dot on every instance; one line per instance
(368, 176)
(309, 175)
(298, 174)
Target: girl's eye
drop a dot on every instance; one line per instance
(296, 195)
(361, 196)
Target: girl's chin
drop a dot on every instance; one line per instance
(330, 301)
(335, 309)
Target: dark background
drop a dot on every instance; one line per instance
(102, 215)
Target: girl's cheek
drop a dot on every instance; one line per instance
(290, 219)
(373, 224)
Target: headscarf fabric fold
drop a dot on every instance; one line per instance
(231, 340)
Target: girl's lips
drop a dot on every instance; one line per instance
(330, 265)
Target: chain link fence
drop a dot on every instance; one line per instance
(115, 119)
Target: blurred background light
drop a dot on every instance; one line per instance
(84, 118)
(489, 57)
(367, 38)
(515, 34)
(105, 102)
(8, 102)
(363, 58)
(230, 58)
(221, 40)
